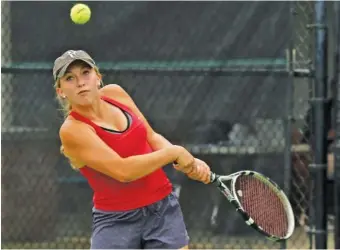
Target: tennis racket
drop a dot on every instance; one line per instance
(260, 202)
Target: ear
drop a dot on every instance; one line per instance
(60, 93)
(99, 82)
(99, 79)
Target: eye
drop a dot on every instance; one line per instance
(86, 72)
(69, 78)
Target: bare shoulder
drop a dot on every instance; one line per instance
(114, 91)
(71, 128)
(119, 94)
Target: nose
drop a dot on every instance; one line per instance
(80, 82)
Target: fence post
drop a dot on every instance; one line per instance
(319, 167)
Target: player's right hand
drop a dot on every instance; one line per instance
(184, 161)
(201, 172)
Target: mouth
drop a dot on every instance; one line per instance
(83, 91)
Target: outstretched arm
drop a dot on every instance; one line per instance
(200, 170)
(82, 143)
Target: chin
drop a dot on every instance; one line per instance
(85, 100)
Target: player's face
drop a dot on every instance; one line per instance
(80, 84)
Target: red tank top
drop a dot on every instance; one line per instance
(112, 195)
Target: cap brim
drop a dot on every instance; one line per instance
(63, 69)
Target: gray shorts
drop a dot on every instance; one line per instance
(157, 226)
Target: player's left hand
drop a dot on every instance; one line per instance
(201, 172)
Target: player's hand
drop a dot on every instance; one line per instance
(201, 172)
(185, 161)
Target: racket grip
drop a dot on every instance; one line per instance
(213, 177)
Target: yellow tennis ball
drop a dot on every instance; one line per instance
(80, 13)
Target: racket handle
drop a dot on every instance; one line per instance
(213, 177)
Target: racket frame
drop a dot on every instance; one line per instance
(232, 197)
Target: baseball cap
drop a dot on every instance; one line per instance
(61, 63)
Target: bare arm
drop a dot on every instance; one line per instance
(82, 143)
(198, 170)
(157, 141)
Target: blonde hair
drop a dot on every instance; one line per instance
(66, 109)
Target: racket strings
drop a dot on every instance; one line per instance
(263, 205)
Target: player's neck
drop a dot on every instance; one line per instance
(93, 112)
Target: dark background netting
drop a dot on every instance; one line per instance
(233, 121)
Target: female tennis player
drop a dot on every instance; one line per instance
(108, 139)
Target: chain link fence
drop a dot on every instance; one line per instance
(301, 129)
(211, 76)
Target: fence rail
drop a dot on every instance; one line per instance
(236, 67)
(240, 113)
